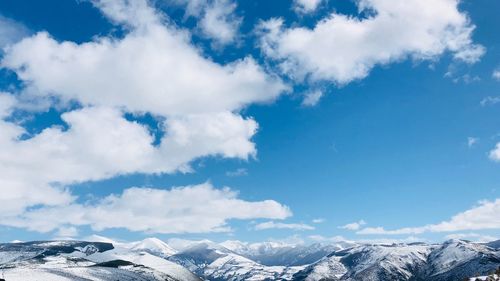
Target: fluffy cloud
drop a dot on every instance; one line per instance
(10, 31)
(216, 18)
(353, 226)
(188, 209)
(152, 69)
(131, 13)
(312, 98)
(306, 6)
(496, 74)
(100, 143)
(66, 232)
(280, 225)
(342, 48)
(483, 216)
(494, 154)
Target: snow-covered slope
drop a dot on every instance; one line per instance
(492, 277)
(152, 259)
(453, 260)
(456, 259)
(215, 262)
(74, 260)
(153, 246)
(273, 253)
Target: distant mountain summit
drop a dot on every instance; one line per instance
(153, 259)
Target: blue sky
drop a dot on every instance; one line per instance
(400, 144)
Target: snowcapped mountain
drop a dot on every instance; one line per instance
(274, 253)
(153, 259)
(453, 260)
(216, 262)
(75, 260)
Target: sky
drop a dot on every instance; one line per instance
(295, 121)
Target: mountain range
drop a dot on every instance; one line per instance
(153, 259)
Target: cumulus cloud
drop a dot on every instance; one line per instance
(153, 69)
(281, 225)
(496, 74)
(306, 6)
(187, 209)
(342, 48)
(312, 98)
(10, 32)
(482, 216)
(216, 18)
(353, 226)
(131, 13)
(67, 232)
(100, 143)
(494, 154)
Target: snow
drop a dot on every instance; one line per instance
(149, 252)
(483, 277)
(215, 261)
(454, 252)
(153, 245)
(327, 268)
(153, 259)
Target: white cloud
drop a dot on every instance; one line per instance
(312, 98)
(494, 154)
(237, 173)
(188, 209)
(496, 74)
(472, 236)
(482, 216)
(306, 6)
(216, 18)
(10, 32)
(99, 144)
(280, 225)
(342, 48)
(333, 239)
(489, 101)
(471, 141)
(349, 243)
(153, 68)
(66, 232)
(152, 71)
(318, 220)
(131, 13)
(353, 226)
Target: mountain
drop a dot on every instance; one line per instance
(274, 253)
(76, 260)
(215, 262)
(153, 246)
(452, 260)
(152, 259)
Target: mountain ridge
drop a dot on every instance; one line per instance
(153, 259)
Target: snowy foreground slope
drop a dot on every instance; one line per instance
(152, 259)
